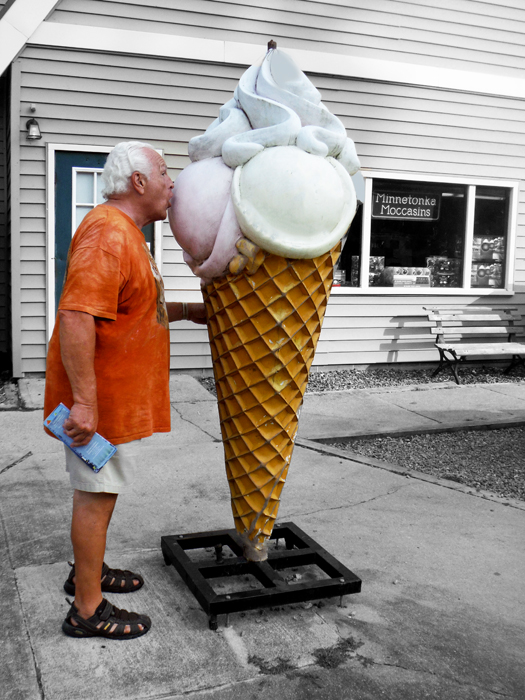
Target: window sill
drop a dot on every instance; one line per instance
(420, 291)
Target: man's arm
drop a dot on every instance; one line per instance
(77, 344)
(196, 312)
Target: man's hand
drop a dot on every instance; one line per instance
(249, 258)
(81, 424)
(197, 313)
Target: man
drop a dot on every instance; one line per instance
(108, 361)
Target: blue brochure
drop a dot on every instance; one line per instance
(95, 454)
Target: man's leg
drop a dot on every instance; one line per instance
(91, 517)
(89, 525)
(94, 499)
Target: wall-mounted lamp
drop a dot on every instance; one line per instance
(33, 130)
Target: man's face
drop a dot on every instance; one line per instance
(158, 189)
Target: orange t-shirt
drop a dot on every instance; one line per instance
(112, 276)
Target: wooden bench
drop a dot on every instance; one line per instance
(475, 331)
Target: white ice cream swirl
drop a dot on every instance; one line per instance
(274, 105)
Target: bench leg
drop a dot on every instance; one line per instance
(441, 363)
(454, 366)
(452, 363)
(516, 360)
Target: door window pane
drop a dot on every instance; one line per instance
(84, 189)
(99, 185)
(80, 213)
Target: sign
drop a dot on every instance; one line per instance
(408, 207)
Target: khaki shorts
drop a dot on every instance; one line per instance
(114, 477)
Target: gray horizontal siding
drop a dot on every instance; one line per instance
(90, 98)
(471, 33)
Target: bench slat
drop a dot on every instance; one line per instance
(469, 309)
(464, 349)
(461, 318)
(474, 330)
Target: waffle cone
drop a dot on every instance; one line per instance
(263, 332)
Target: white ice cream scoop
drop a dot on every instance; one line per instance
(293, 203)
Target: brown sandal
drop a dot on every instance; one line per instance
(111, 580)
(114, 622)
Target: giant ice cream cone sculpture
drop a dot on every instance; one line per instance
(274, 168)
(263, 332)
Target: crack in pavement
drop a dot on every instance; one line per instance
(410, 410)
(17, 461)
(492, 387)
(186, 420)
(347, 505)
(201, 691)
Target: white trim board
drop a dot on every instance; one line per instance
(17, 24)
(125, 41)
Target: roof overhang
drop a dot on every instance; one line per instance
(18, 22)
(22, 23)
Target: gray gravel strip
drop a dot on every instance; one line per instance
(341, 380)
(485, 460)
(344, 379)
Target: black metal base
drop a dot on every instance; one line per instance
(272, 588)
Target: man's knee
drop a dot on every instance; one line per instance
(98, 502)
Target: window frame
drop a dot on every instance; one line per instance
(96, 172)
(466, 290)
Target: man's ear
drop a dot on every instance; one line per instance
(138, 181)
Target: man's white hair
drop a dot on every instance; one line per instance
(126, 158)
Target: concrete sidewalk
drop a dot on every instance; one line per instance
(421, 408)
(439, 615)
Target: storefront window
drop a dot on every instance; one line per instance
(489, 243)
(425, 235)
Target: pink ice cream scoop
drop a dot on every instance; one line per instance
(203, 219)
